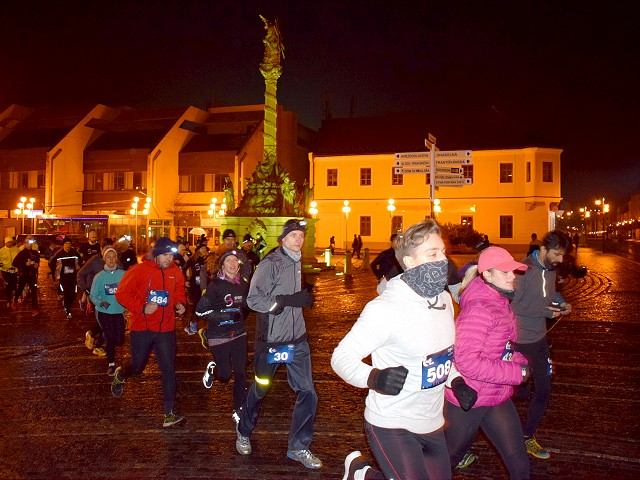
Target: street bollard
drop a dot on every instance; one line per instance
(327, 256)
(347, 264)
(365, 260)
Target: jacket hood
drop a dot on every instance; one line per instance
(478, 291)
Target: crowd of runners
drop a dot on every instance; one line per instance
(433, 380)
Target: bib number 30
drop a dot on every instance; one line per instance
(281, 354)
(436, 368)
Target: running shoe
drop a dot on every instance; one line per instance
(171, 419)
(466, 460)
(209, 375)
(117, 385)
(89, 340)
(243, 444)
(305, 457)
(355, 467)
(535, 449)
(202, 333)
(99, 351)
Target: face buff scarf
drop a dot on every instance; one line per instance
(428, 280)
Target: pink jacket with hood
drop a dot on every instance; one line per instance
(485, 324)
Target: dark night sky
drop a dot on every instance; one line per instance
(566, 70)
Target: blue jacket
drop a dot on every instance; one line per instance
(103, 289)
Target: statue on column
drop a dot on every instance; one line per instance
(273, 46)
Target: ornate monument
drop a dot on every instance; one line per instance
(270, 192)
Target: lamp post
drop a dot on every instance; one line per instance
(346, 209)
(134, 211)
(391, 208)
(24, 208)
(313, 208)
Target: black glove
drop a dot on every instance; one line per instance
(388, 381)
(303, 298)
(466, 395)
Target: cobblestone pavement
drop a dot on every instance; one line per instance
(60, 420)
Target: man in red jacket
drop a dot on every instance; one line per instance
(153, 292)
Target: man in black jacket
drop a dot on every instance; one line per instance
(385, 266)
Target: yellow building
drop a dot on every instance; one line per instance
(514, 192)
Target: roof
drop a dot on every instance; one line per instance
(43, 127)
(406, 132)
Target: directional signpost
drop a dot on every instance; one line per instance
(446, 164)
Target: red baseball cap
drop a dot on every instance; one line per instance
(500, 259)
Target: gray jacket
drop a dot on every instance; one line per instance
(535, 291)
(277, 274)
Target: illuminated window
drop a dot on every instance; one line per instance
(547, 171)
(467, 171)
(192, 183)
(528, 172)
(396, 178)
(466, 221)
(365, 226)
(13, 179)
(365, 176)
(138, 180)
(118, 180)
(220, 182)
(24, 180)
(506, 226)
(506, 173)
(332, 177)
(396, 224)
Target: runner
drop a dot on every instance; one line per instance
(409, 332)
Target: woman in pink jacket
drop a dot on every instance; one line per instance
(485, 331)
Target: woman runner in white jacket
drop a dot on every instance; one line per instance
(409, 332)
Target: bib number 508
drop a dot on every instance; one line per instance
(438, 372)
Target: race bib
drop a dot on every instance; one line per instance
(436, 368)
(161, 297)
(507, 354)
(281, 354)
(110, 288)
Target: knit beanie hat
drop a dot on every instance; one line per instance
(108, 249)
(164, 245)
(292, 225)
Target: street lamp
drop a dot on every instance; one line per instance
(436, 207)
(313, 208)
(25, 208)
(134, 211)
(346, 209)
(391, 208)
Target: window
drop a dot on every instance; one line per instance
(23, 180)
(396, 224)
(137, 181)
(506, 173)
(220, 181)
(365, 176)
(93, 181)
(118, 180)
(467, 171)
(332, 177)
(13, 179)
(506, 226)
(528, 172)
(396, 178)
(192, 183)
(547, 171)
(365, 226)
(466, 221)
(428, 178)
(40, 180)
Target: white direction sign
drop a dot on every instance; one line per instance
(452, 182)
(443, 157)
